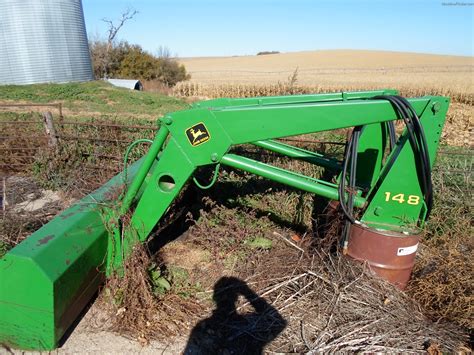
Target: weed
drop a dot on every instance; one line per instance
(4, 247)
(160, 285)
(259, 243)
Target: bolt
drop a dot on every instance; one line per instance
(214, 157)
(435, 107)
(168, 120)
(378, 211)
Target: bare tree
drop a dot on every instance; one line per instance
(113, 28)
(163, 52)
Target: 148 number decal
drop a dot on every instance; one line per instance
(400, 198)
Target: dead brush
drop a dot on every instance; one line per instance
(335, 305)
(443, 278)
(137, 312)
(331, 304)
(16, 224)
(15, 228)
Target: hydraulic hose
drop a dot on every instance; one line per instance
(213, 179)
(392, 134)
(417, 139)
(348, 209)
(127, 153)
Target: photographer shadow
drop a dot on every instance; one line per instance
(227, 331)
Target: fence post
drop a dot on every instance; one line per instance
(4, 195)
(50, 130)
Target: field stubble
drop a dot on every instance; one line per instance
(316, 72)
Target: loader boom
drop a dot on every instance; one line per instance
(65, 261)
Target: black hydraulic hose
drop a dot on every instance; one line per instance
(424, 154)
(420, 151)
(352, 173)
(417, 141)
(348, 209)
(349, 155)
(402, 113)
(414, 141)
(392, 134)
(341, 186)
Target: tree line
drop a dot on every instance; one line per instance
(130, 61)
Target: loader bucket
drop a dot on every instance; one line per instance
(48, 279)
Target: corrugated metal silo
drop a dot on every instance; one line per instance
(43, 41)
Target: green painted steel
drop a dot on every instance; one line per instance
(295, 180)
(370, 154)
(396, 201)
(299, 153)
(47, 279)
(293, 99)
(229, 122)
(143, 171)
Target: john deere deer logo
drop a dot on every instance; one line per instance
(197, 134)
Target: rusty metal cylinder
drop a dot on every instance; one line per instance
(390, 255)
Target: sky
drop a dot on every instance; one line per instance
(244, 27)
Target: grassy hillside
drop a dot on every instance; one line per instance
(93, 99)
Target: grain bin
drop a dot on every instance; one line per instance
(43, 41)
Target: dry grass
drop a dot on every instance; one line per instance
(16, 224)
(318, 301)
(136, 311)
(443, 278)
(335, 305)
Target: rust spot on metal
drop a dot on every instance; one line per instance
(68, 261)
(83, 208)
(113, 192)
(89, 230)
(45, 240)
(67, 215)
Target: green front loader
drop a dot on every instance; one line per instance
(383, 188)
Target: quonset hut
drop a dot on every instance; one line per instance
(43, 41)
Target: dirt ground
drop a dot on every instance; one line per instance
(87, 339)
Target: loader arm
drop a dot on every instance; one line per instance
(261, 124)
(385, 191)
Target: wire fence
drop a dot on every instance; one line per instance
(27, 130)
